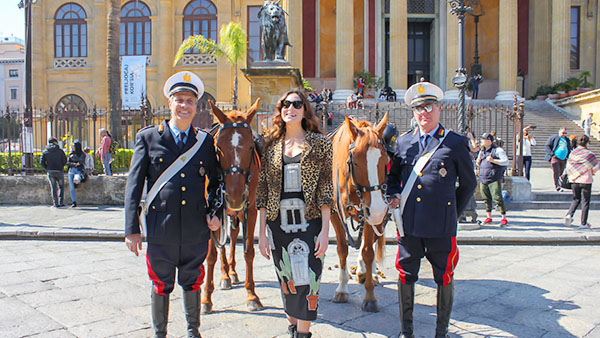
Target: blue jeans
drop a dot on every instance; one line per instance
(106, 164)
(72, 173)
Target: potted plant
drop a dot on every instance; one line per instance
(585, 85)
(572, 85)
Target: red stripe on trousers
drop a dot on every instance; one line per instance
(401, 272)
(451, 264)
(157, 285)
(199, 280)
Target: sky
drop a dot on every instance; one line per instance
(12, 19)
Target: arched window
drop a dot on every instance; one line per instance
(71, 105)
(200, 18)
(136, 29)
(70, 31)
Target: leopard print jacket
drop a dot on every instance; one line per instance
(315, 168)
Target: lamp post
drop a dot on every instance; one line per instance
(460, 8)
(28, 116)
(476, 14)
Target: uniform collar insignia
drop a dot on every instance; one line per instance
(441, 131)
(161, 128)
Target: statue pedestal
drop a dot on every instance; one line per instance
(270, 80)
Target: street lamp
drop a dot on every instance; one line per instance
(28, 116)
(476, 14)
(460, 8)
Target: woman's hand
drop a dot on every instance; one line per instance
(321, 244)
(263, 245)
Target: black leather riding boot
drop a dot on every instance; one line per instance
(303, 335)
(191, 303)
(160, 314)
(445, 298)
(406, 301)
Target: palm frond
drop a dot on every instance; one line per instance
(198, 41)
(233, 42)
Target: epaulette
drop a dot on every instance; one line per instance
(146, 127)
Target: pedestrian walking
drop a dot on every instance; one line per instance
(429, 162)
(581, 166)
(76, 164)
(360, 82)
(475, 81)
(294, 198)
(174, 160)
(104, 151)
(54, 160)
(587, 124)
(528, 141)
(492, 162)
(558, 148)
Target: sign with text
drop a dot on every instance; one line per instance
(133, 81)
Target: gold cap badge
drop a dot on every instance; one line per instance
(187, 77)
(420, 89)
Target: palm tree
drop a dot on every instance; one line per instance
(232, 47)
(113, 67)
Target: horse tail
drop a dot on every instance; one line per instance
(380, 252)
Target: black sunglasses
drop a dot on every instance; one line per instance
(287, 104)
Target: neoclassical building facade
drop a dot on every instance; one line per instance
(522, 44)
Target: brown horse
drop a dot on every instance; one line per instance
(359, 171)
(240, 164)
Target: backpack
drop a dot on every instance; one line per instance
(114, 145)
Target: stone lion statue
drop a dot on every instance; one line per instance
(274, 31)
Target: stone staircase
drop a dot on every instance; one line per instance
(549, 200)
(548, 121)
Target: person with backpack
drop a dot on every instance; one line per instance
(76, 164)
(104, 151)
(492, 162)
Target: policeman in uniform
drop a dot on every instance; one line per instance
(180, 216)
(433, 204)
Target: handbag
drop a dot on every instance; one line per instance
(563, 181)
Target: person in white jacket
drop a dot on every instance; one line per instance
(528, 141)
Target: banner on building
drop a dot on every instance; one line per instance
(133, 81)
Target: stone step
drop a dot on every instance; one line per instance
(558, 196)
(541, 205)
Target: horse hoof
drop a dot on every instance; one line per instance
(370, 306)
(225, 284)
(206, 309)
(234, 279)
(360, 277)
(254, 305)
(340, 297)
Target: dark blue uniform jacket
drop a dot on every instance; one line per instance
(178, 213)
(435, 200)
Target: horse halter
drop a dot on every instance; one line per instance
(360, 190)
(236, 169)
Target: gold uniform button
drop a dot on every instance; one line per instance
(153, 207)
(182, 175)
(160, 159)
(182, 188)
(420, 174)
(419, 186)
(183, 202)
(442, 163)
(449, 203)
(418, 199)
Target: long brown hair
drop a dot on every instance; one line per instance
(309, 120)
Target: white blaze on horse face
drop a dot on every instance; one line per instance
(378, 207)
(235, 143)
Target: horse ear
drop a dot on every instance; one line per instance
(351, 128)
(252, 111)
(382, 125)
(218, 113)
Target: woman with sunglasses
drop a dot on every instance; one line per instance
(294, 198)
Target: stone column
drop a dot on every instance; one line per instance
(344, 49)
(398, 48)
(163, 51)
(451, 53)
(508, 50)
(560, 51)
(294, 24)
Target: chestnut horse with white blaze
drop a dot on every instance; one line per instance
(240, 165)
(359, 173)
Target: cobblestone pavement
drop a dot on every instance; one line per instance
(99, 289)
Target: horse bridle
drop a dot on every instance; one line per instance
(360, 190)
(236, 169)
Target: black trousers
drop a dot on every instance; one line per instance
(57, 186)
(527, 166)
(188, 260)
(582, 193)
(441, 252)
(558, 166)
